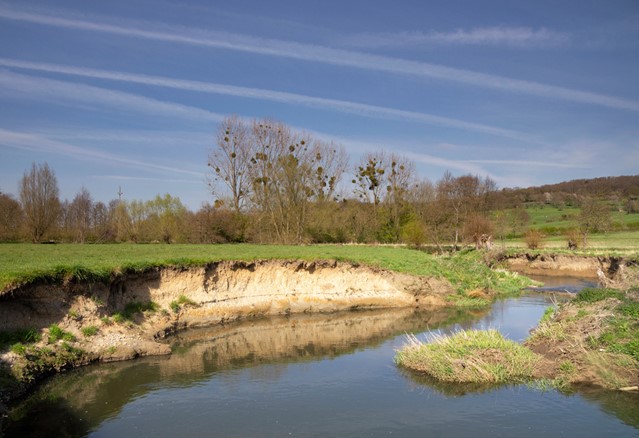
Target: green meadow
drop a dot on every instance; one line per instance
(26, 263)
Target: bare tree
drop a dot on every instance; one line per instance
(400, 178)
(81, 211)
(370, 178)
(39, 197)
(461, 196)
(230, 161)
(329, 164)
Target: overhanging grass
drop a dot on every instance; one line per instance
(471, 356)
(27, 263)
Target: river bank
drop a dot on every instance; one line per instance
(76, 323)
(590, 340)
(66, 321)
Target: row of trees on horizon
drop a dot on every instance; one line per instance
(274, 185)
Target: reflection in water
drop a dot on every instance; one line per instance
(562, 284)
(312, 375)
(98, 392)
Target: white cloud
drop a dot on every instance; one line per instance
(87, 95)
(274, 96)
(37, 143)
(307, 52)
(516, 37)
(530, 163)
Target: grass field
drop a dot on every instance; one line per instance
(24, 263)
(612, 243)
(554, 220)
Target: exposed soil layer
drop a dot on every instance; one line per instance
(189, 297)
(559, 265)
(618, 272)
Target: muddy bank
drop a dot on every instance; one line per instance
(130, 315)
(609, 271)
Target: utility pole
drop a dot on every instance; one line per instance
(120, 193)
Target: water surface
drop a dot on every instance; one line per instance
(315, 375)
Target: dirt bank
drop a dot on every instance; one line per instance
(609, 271)
(128, 316)
(592, 340)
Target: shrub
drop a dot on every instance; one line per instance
(534, 239)
(573, 238)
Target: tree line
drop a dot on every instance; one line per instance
(272, 184)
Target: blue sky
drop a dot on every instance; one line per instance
(129, 93)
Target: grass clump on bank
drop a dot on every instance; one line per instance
(620, 332)
(471, 356)
(130, 310)
(598, 333)
(56, 333)
(182, 300)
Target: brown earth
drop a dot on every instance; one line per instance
(558, 265)
(211, 294)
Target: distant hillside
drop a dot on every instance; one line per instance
(624, 186)
(616, 189)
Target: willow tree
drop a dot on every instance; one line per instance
(39, 198)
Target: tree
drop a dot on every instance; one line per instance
(370, 178)
(400, 178)
(594, 217)
(81, 212)
(166, 216)
(479, 229)
(11, 217)
(39, 197)
(231, 160)
(461, 196)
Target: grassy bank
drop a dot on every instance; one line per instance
(472, 356)
(592, 340)
(27, 263)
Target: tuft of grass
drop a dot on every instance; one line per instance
(56, 333)
(89, 331)
(19, 348)
(592, 295)
(24, 336)
(130, 310)
(550, 331)
(477, 356)
(106, 320)
(118, 318)
(182, 301)
(548, 315)
(138, 307)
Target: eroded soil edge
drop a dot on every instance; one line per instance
(130, 315)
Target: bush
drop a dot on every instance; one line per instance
(574, 239)
(534, 239)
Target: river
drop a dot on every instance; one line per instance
(316, 375)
